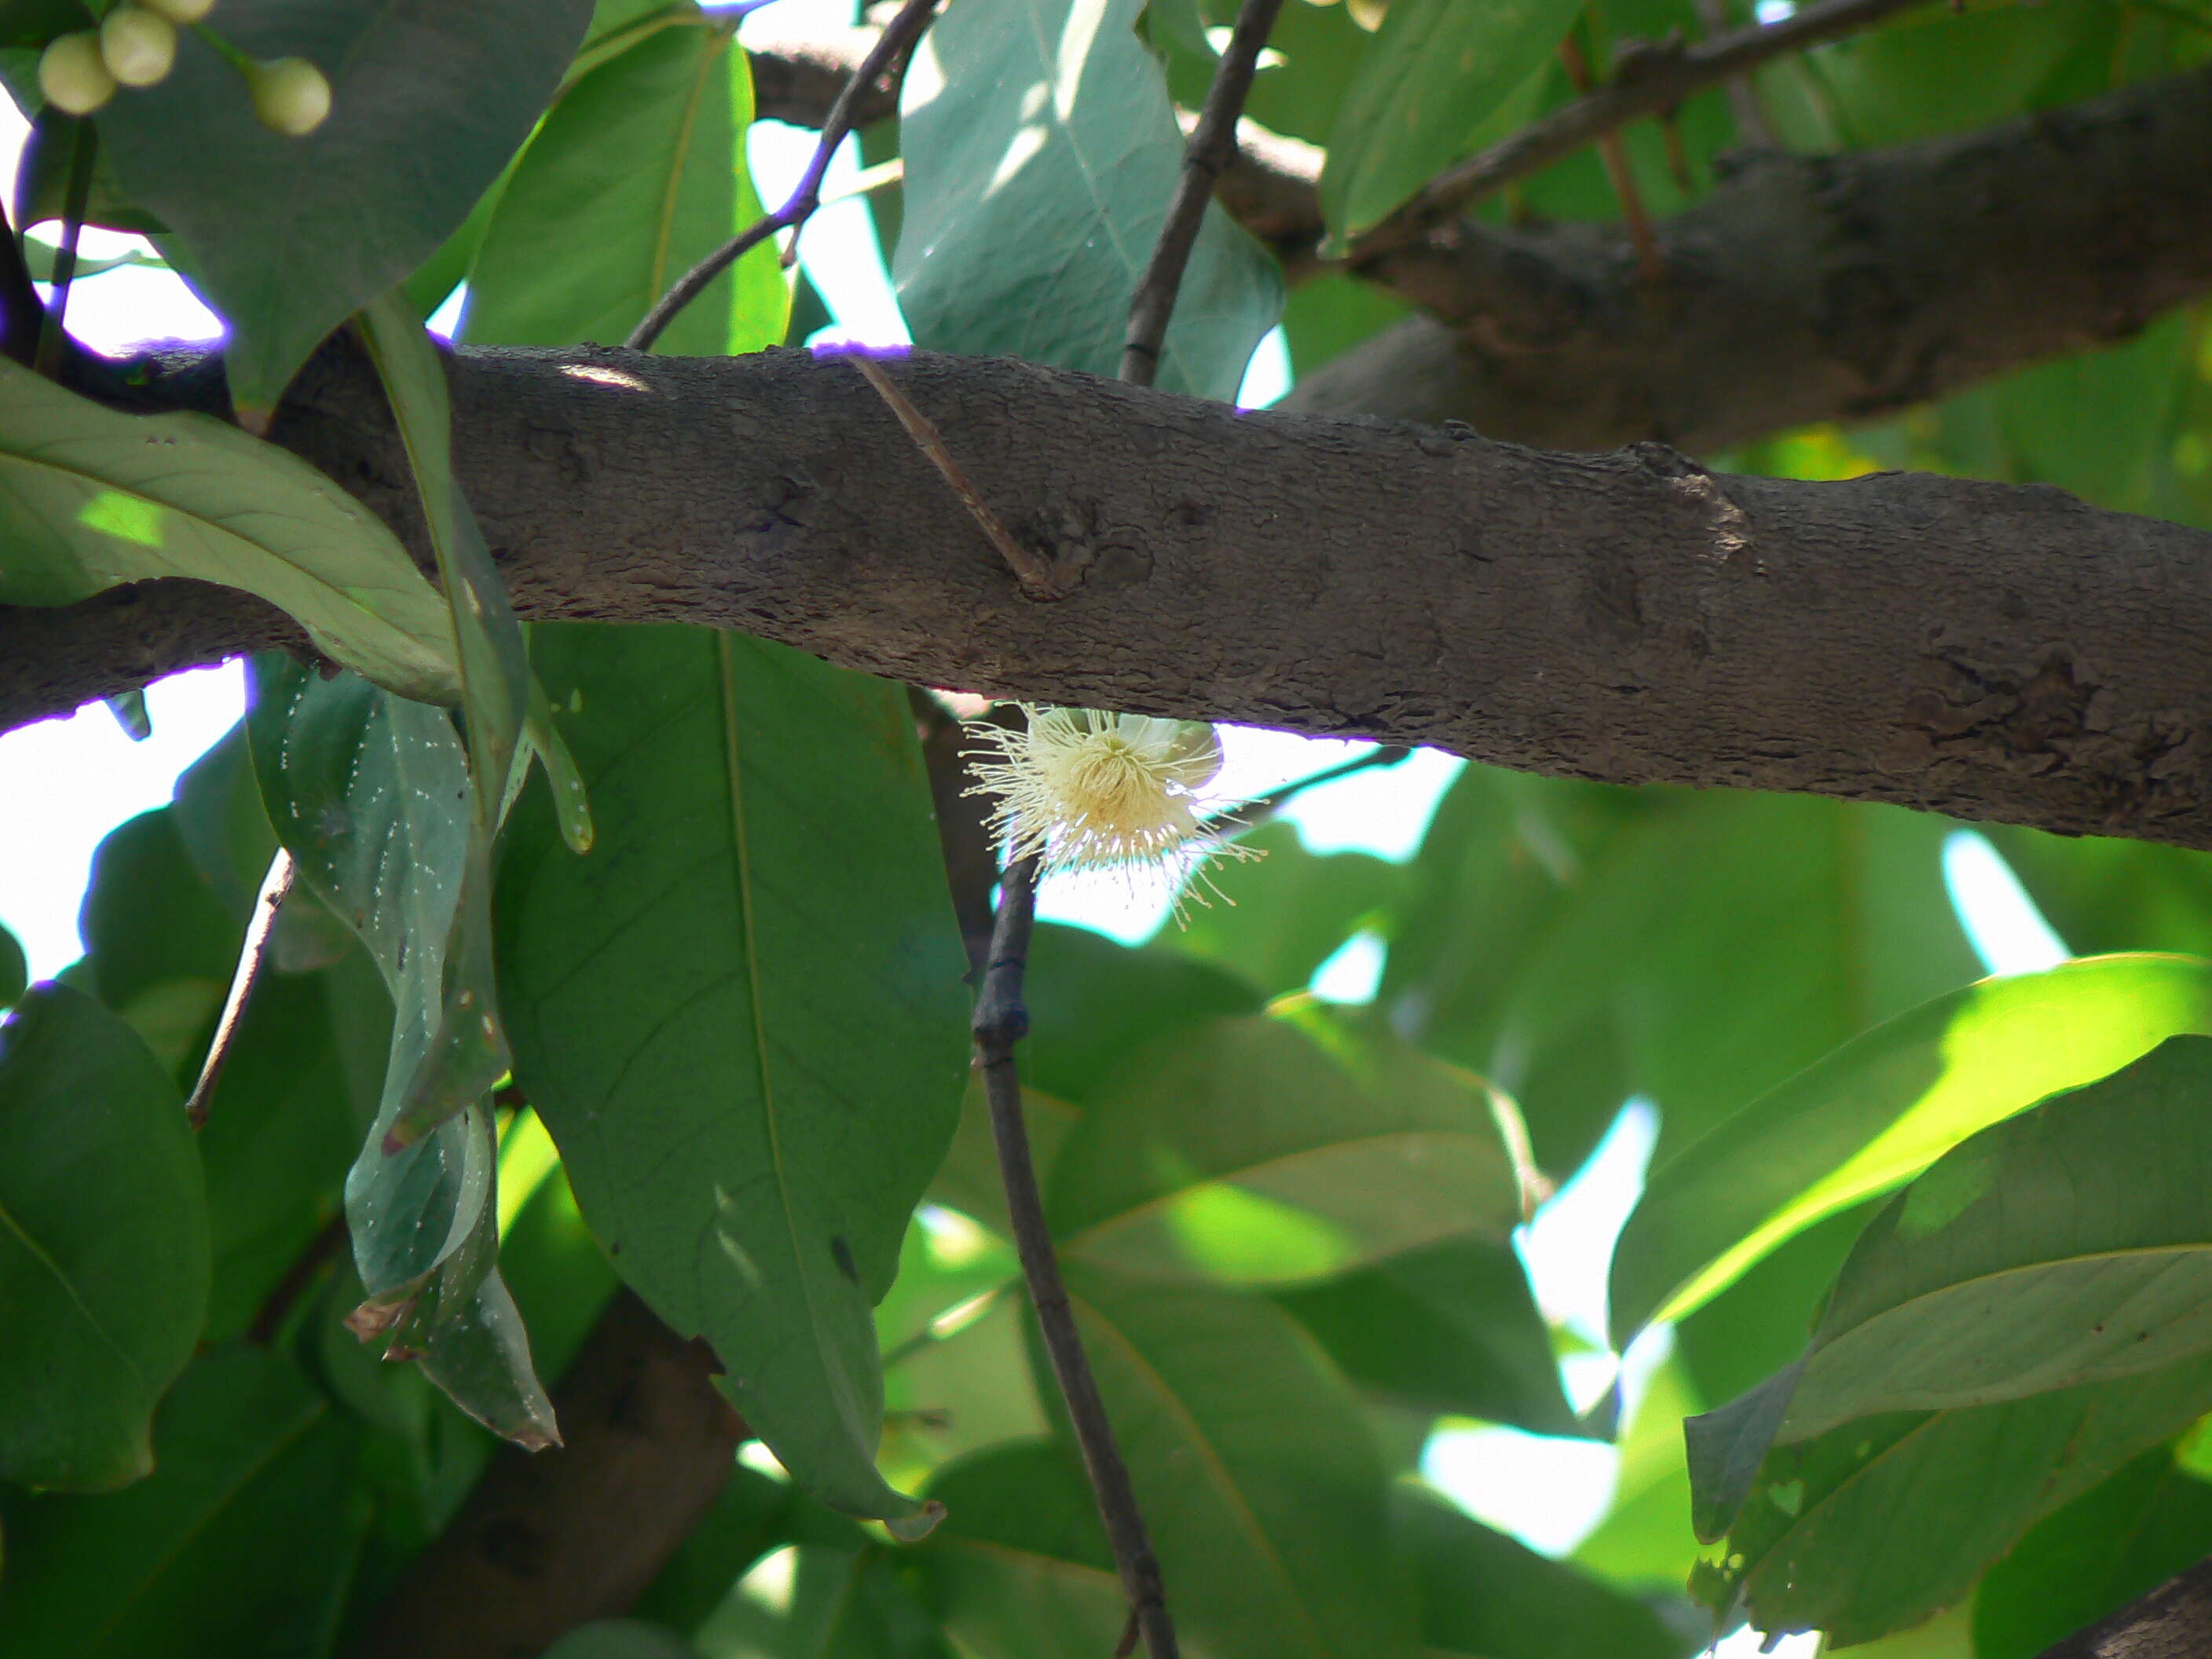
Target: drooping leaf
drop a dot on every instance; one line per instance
(639, 173)
(1884, 1107)
(1480, 1592)
(1450, 1328)
(103, 1244)
(1434, 71)
(1273, 1151)
(255, 1466)
(90, 497)
(288, 237)
(757, 967)
(1876, 1525)
(1041, 152)
(1258, 1479)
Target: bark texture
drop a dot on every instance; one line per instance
(1989, 651)
(555, 1540)
(2173, 1621)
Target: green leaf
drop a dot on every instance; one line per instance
(90, 498)
(848, 1600)
(40, 257)
(749, 1519)
(1878, 1524)
(255, 1466)
(159, 944)
(619, 1639)
(1451, 1328)
(15, 969)
(1480, 1592)
(1041, 151)
(969, 1181)
(2150, 1519)
(1092, 1003)
(637, 174)
(1257, 1473)
(288, 237)
(1275, 1151)
(758, 968)
(1020, 1569)
(2065, 1245)
(1285, 914)
(1435, 69)
(103, 1244)
(1882, 1108)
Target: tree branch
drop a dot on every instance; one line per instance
(1993, 652)
(2173, 1621)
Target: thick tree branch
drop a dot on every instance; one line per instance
(2173, 1621)
(1995, 652)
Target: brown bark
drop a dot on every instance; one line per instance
(2173, 1621)
(551, 1540)
(1993, 652)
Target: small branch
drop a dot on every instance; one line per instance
(886, 58)
(1649, 263)
(1257, 810)
(1213, 147)
(1752, 126)
(963, 835)
(84, 144)
(2173, 1621)
(1001, 1018)
(22, 313)
(1647, 81)
(253, 956)
(1031, 572)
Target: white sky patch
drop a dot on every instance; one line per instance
(1568, 1246)
(2000, 919)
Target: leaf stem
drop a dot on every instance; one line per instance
(886, 58)
(253, 956)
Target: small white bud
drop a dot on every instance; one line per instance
(72, 75)
(180, 11)
(138, 46)
(290, 94)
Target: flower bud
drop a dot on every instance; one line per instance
(138, 46)
(180, 11)
(72, 75)
(289, 95)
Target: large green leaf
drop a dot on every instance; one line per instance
(103, 1244)
(742, 1016)
(1882, 1108)
(2069, 1244)
(2149, 1521)
(1259, 1478)
(256, 1473)
(1092, 1003)
(1283, 915)
(1480, 1592)
(287, 237)
(639, 173)
(160, 944)
(90, 498)
(1878, 1524)
(1433, 71)
(1277, 1150)
(1041, 151)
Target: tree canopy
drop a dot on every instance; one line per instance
(564, 1139)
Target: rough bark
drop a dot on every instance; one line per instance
(1994, 652)
(555, 1540)
(1840, 287)
(2173, 1621)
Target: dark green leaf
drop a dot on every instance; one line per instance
(747, 1521)
(288, 237)
(1092, 1002)
(619, 1639)
(639, 173)
(15, 969)
(255, 1467)
(1259, 1478)
(1437, 67)
(968, 1180)
(103, 1244)
(1884, 1107)
(838, 1602)
(1448, 1329)
(1276, 1150)
(1037, 181)
(1283, 915)
(94, 497)
(757, 969)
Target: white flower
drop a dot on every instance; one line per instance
(1084, 790)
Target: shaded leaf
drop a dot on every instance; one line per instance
(619, 1639)
(1276, 1150)
(638, 173)
(1093, 1002)
(288, 237)
(15, 969)
(1882, 1108)
(90, 497)
(103, 1244)
(968, 1180)
(1041, 151)
(1288, 912)
(748, 1148)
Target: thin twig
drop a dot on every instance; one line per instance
(1213, 147)
(1033, 573)
(253, 956)
(1001, 1018)
(84, 142)
(1752, 126)
(1257, 810)
(1646, 81)
(1621, 176)
(887, 58)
